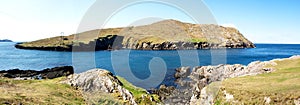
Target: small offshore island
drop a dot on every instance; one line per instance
(163, 35)
(257, 83)
(5, 40)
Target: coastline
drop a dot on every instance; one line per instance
(98, 46)
(201, 77)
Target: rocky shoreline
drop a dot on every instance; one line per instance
(193, 84)
(92, 84)
(34, 74)
(113, 42)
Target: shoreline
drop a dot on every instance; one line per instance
(191, 80)
(152, 47)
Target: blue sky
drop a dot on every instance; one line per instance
(262, 21)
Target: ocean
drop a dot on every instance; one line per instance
(137, 64)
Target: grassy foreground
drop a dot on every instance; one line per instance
(53, 92)
(38, 92)
(281, 86)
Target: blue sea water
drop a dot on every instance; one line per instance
(142, 64)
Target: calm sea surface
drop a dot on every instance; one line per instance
(140, 63)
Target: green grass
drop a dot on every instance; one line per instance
(153, 39)
(198, 40)
(54, 92)
(38, 92)
(282, 86)
(138, 93)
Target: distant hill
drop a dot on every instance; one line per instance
(5, 40)
(163, 35)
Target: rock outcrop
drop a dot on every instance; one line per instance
(192, 84)
(33, 74)
(163, 35)
(98, 80)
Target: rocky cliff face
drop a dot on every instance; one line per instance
(163, 35)
(98, 82)
(192, 83)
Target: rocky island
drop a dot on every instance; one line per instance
(5, 40)
(256, 83)
(162, 35)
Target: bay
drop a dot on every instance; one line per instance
(142, 64)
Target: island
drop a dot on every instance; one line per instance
(162, 35)
(5, 40)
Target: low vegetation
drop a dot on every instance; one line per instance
(279, 87)
(152, 39)
(195, 40)
(140, 94)
(38, 92)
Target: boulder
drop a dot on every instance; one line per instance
(98, 80)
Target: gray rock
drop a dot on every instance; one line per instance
(192, 87)
(182, 72)
(98, 80)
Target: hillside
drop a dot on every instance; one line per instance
(163, 35)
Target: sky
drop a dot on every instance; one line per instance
(261, 21)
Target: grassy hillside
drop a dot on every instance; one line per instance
(281, 86)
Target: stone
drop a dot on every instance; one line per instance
(99, 80)
(182, 72)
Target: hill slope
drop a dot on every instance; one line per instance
(163, 35)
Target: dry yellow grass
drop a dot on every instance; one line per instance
(282, 86)
(38, 92)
